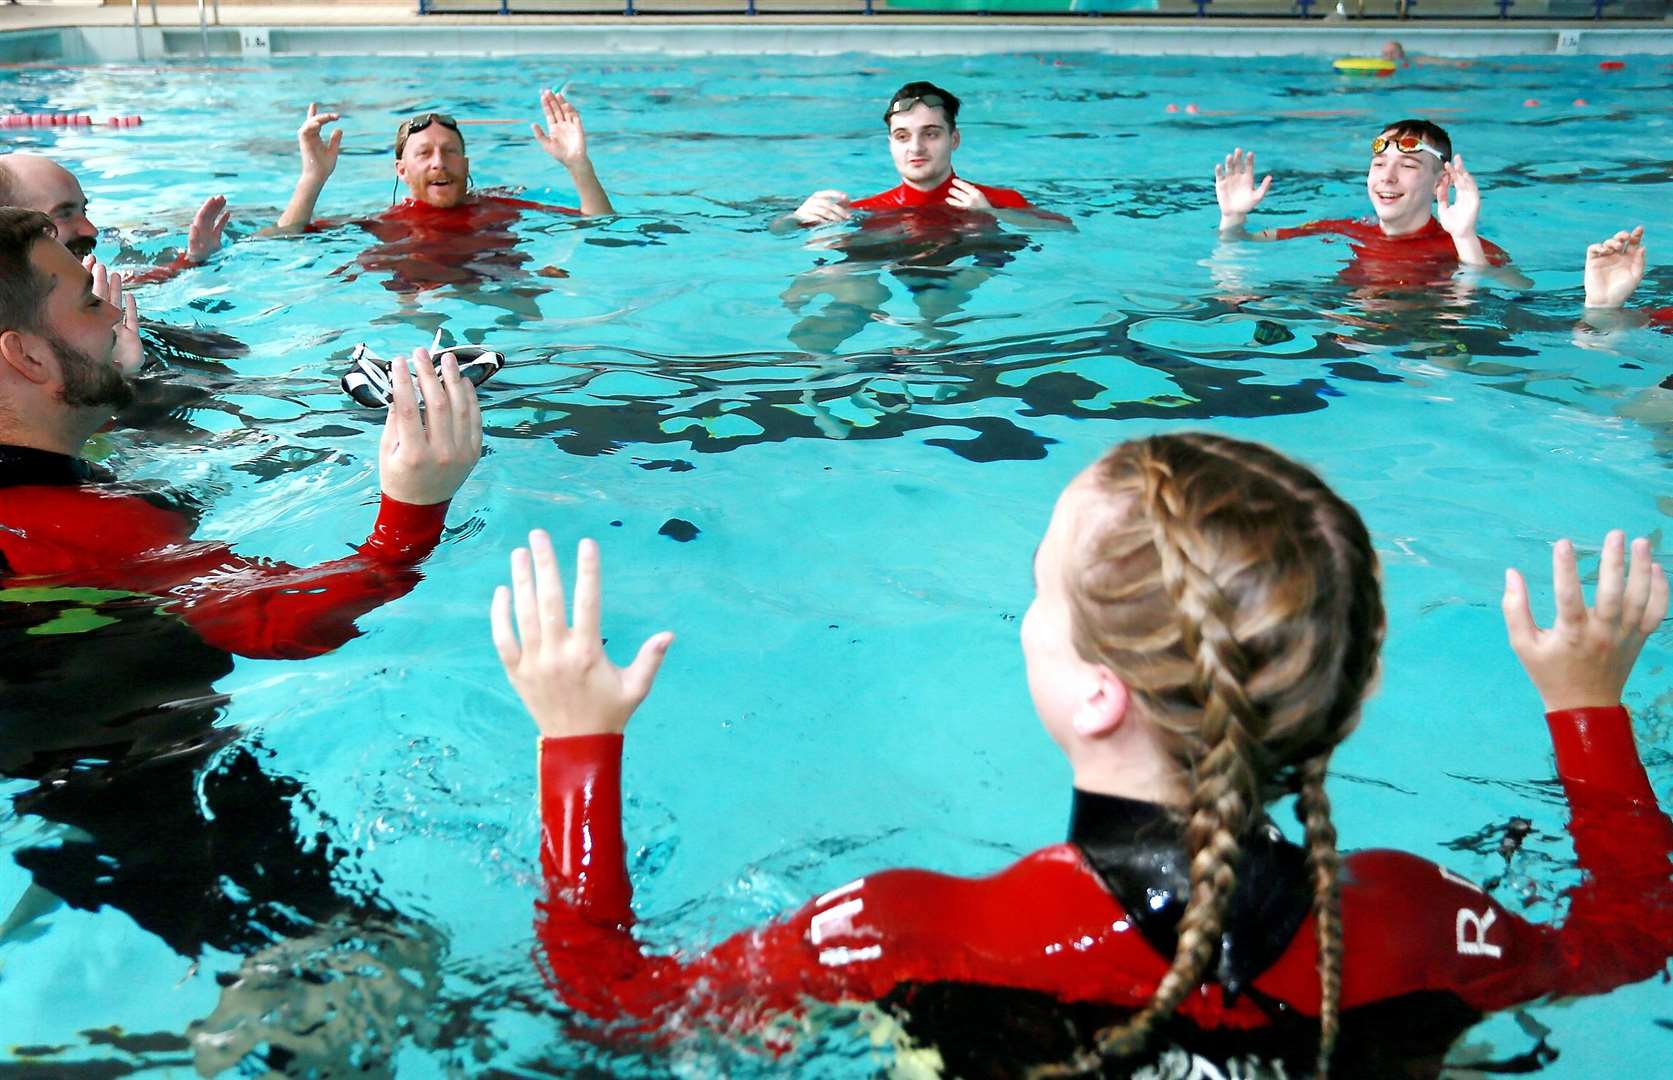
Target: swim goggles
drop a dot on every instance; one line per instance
(418, 123)
(907, 104)
(1406, 144)
(367, 379)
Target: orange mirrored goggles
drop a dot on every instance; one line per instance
(1406, 144)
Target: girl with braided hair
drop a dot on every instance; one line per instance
(1206, 624)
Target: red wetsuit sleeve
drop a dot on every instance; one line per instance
(1004, 198)
(270, 610)
(1410, 926)
(1311, 228)
(84, 536)
(1044, 923)
(159, 274)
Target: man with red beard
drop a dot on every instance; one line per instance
(1424, 202)
(444, 233)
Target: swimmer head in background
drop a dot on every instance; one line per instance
(367, 379)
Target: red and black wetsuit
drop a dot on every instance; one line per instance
(114, 627)
(1025, 965)
(1427, 256)
(425, 247)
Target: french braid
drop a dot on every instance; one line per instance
(1237, 597)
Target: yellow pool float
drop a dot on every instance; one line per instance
(1365, 65)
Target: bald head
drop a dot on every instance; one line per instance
(37, 183)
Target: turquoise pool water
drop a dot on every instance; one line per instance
(868, 483)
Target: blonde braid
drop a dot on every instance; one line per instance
(1312, 808)
(1236, 595)
(1226, 788)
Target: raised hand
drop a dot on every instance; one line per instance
(319, 156)
(563, 137)
(1614, 268)
(967, 196)
(1234, 187)
(824, 207)
(1584, 659)
(204, 239)
(558, 666)
(129, 353)
(424, 458)
(1458, 214)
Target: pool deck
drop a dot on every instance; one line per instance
(72, 32)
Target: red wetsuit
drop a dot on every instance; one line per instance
(1425, 952)
(906, 196)
(1662, 319)
(159, 274)
(61, 528)
(916, 229)
(1425, 257)
(426, 247)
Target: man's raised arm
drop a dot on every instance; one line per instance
(566, 140)
(319, 161)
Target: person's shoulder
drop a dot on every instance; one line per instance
(1343, 226)
(1003, 198)
(511, 202)
(1496, 255)
(881, 200)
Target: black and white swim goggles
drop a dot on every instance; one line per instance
(367, 379)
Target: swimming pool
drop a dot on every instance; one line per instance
(866, 491)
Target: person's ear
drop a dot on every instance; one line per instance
(400, 170)
(1105, 705)
(17, 354)
(955, 138)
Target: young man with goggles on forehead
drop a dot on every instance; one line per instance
(1424, 201)
(922, 120)
(430, 159)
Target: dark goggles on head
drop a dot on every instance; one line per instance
(1406, 144)
(418, 123)
(907, 104)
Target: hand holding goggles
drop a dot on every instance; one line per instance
(367, 379)
(1406, 144)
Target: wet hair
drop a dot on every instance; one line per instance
(1428, 131)
(949, 102)
(23, 288)
(1238, 598)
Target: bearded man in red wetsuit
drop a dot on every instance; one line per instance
(444, 234)
(1424, 202)
(927, 230)
(115, 624)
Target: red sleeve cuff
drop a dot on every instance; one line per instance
(405, 534)
(582, 854)
(1595, 747)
